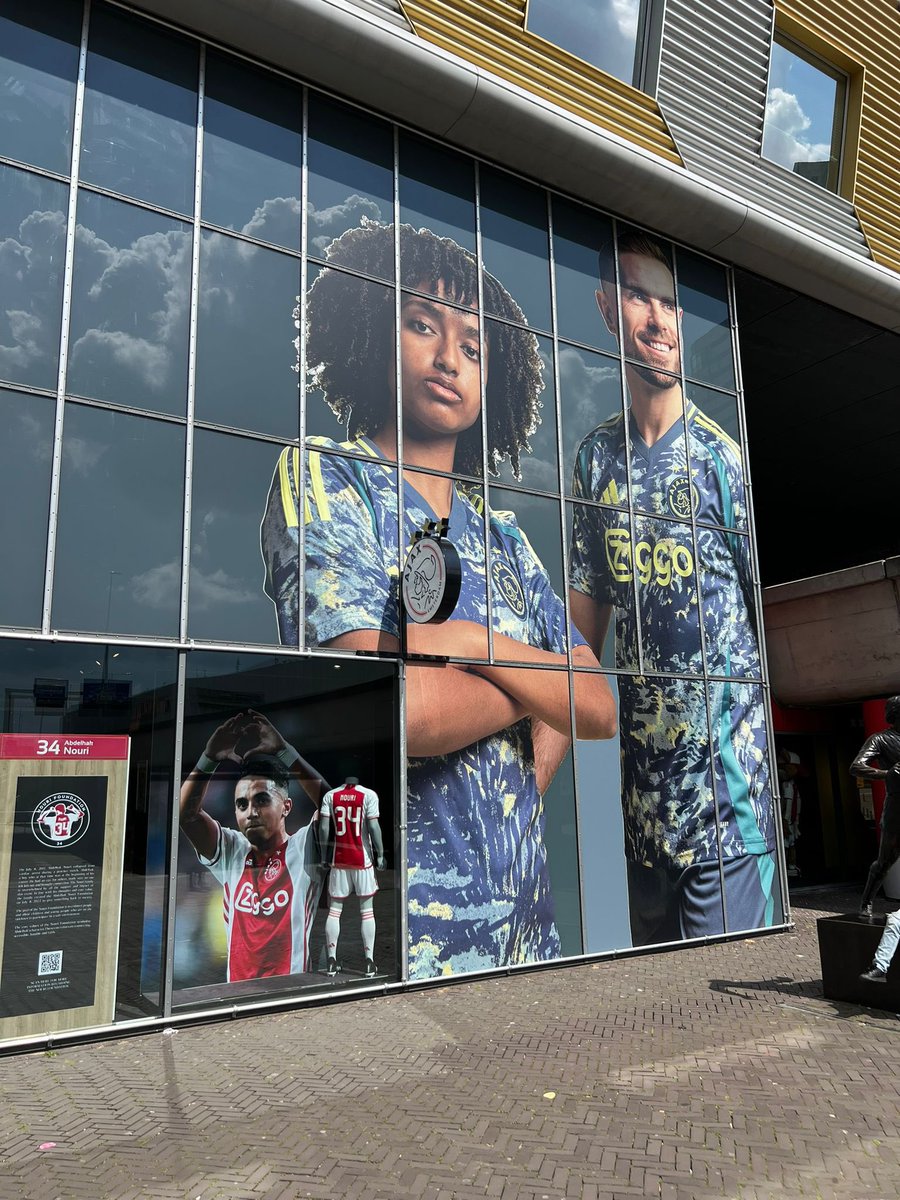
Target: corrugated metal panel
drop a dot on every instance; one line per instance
(491, 34)
(866, 30)
(712, 90)
(388, 10)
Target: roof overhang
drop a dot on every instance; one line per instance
(346, 50)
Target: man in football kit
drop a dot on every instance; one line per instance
(357, 843)
(270, 878)
(695, 777)
(483, 740)
(879, 758)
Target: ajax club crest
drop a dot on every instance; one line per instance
(60, 820)
(431, 576)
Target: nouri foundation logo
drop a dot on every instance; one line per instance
(60, 820)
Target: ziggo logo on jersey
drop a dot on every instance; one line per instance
(247, 901)
(660, 563)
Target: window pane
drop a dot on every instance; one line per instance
(140, 111)
(604, 882)
(601, 585)
(579, 234)
(26, 452)
(344, 716)
(720, 496)
(352, 557)
(664, 559)
(526, 572)
(246, 360)
(227, 599)
(481, 884)
(746, 811)
(705, 329)
(593, 429)
(606, 34)
(437, 191)
(252, 150)
(118, 553)
(347, 182)
(561, 839)
(32, 254)
(123, 691)
(514, 398)
(649, 316)
(804, 114)
(729, 608)
(669, 810)
(39, 66)
(351, 356)
(130, 306)
(515, 247)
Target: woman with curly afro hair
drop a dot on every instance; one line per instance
(483, 740)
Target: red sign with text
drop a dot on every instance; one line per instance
(63, 747)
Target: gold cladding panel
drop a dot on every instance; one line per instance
(491, 34)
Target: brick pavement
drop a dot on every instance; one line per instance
(718, 1071)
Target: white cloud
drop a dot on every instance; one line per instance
(157, 586)
(333, 221)
(785, 126)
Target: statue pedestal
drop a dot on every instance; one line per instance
(847, 945)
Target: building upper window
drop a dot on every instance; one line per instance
(610, 34)
(805, 113)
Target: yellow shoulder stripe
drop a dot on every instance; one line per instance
(318, 485)
(284, 481)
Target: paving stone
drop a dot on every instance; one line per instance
(715, 1071)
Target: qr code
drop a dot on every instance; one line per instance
(50, 962)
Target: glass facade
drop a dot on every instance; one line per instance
(243, 380)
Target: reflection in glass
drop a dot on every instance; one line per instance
(55, 689)
(140, 111)
(252, 135)
(227, 602)
(746, 810)
(604, 881)
(538, 463)
(32, 253)
(437, 190)
(609, 34)
(561, 837)
(805, 104)
(664, 561)
(258, 837)
(729, 609)
(246, 362)
(578, 235)
(350, 349)
(705, 329)
(716, 460)
(347, 183)
(590, 387)
(38, 66)
(601, 586)
(118, 549)
(26, 452)
(515, 244)
(130, 306)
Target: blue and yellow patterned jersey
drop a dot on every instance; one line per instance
(681, 760)
(479, 888)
